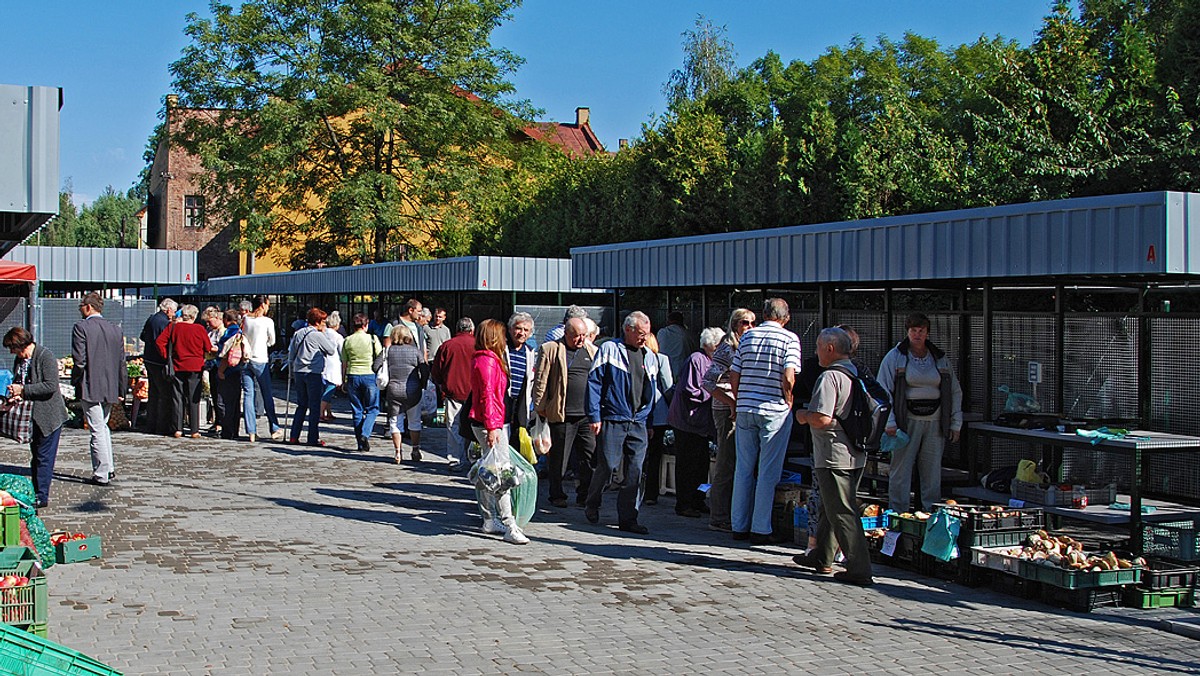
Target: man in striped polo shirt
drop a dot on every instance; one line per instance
(521, 359)
(762, 375)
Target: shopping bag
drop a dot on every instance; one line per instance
(494, 472)
(524, 494)
(429, 400)
(526, 449)
(540, 436)
(381, 376)
(16, 420)
(941, 536)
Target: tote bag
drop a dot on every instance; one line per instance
(16, 421)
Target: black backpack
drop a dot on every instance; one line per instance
(870, 407)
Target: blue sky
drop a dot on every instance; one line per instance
(111, 58)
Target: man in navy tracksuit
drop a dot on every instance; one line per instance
(622, 388)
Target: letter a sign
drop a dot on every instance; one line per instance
(1150, 257)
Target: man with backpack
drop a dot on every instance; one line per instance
(838, 461)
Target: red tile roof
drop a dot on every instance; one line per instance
(574, 139)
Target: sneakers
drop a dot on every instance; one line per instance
(515, 536)
(493, 527)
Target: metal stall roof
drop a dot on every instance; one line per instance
(469, 273)
(95, 267)
(1136, 235)
(29, 142)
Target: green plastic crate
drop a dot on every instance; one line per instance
(10, 526)
(27, 605)
(74, 551)
(38, 630)
(26, 654)
(1136, 597)
(911, 526)
(968, 540)
(1077, 579)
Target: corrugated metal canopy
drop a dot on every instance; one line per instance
(1136, 235)
(470, 273)
(29, 149)
(95, 267)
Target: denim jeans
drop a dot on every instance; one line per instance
(761, 446)
(43, 451)
(257, 376)
(308, 400)
(364, 403)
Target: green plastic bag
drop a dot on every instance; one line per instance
(524, 496)
(941, 536)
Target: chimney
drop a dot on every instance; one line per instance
(172, 100)
(622, 143)
(582, 115)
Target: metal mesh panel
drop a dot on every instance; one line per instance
(1100, 367)
(546, 317)
(1174, 374)
(12, 314)
(976, 366)
(871, 327)
(58, 315)
(806, 325)
(1017, 340)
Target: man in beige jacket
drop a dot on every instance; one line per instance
(559, 395)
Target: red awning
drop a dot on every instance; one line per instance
(17, 273)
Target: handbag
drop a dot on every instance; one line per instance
(170, 370)
(16, 420)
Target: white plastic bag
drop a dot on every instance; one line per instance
(429, 400)
(495, 472)
(540, 436)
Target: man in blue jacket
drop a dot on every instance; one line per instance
(622, 388)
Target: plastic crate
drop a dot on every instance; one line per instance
(28, 604)
(74, 551)
(23, 652)
(1016, 586)
(1080, 600)
(1053, 576)
(10, 526)
(1136, 597)
(994, 559)
(909, 525)
(984, 519)
(1175, 540)
(968, 540)
(931, 566)
(873, 522)
(1166, 575)
(1055, 496)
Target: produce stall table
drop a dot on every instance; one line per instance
(1136, 445)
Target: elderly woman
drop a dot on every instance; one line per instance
(211, 318)
(656, 424)
(724, 408)
(926, 404)
(309, 349)
(690, 415)
(333, 365)
(36, 379)
(186, 344)
(229, 376)
(404, 389)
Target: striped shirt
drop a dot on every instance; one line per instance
(763, 354)
(517, 365)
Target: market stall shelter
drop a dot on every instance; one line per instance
(1088, 307)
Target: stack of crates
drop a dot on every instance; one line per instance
(983, 527)
(26, 606)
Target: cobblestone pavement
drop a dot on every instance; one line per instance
(230, 558)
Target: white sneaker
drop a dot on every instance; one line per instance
(515, 536)
(493, 527)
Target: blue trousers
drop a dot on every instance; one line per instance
(364, 403)
(761, 446)
(257, 376)
(308, 400)
(622, 446)
(43, 451)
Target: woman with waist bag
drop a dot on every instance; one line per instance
(927, 405)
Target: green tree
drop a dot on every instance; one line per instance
(708, 63)
(60, 231)
(364, 126)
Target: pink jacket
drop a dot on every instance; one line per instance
(489, 384)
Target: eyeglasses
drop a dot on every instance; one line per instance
(746, 322)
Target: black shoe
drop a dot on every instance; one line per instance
(41, 504)
(580, 501)
(741, 535)
(688, 512)
(365, 445)
(592, 514)
(634, 528)
(558, 502)
(846, 578)
(809, 561)
(760, 539)
(703, 508)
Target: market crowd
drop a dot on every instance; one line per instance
(725, 398)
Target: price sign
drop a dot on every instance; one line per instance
(889, 542)
(1035, 372)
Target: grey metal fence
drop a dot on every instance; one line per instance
(54, 317)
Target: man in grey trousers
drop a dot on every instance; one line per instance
(100, 377)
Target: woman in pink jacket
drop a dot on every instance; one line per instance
(489, 383)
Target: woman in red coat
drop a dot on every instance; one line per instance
(188, 346)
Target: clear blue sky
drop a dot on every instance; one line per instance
(111, 58)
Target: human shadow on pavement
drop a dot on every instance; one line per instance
(1107, 658)
(332, 452)
(449, 510)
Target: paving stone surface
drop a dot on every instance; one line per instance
(227, 557)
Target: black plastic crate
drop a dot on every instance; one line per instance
(1014, 586)
(1161, 575)
(1010, 518)
(931, 566)
(1081, 600)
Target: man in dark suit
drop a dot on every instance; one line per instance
(159, 408)
(100, 376)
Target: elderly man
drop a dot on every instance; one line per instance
(762, 377)
(837, 464)
(519, 402)
(452, 373)
(158, 408)
(560, 385)
(99, 354)
(622, 389)
(556, 331)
